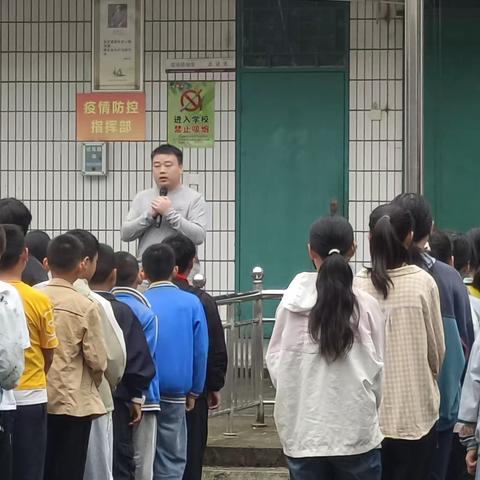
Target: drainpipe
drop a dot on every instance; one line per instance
(413, 99)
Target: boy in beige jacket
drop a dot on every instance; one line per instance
(99, 464)
(79, 364)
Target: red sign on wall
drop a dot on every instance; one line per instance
(111, 116)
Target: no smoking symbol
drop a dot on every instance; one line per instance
(191, 100)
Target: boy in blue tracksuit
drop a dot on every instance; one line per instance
(183, 348)
(128, 397)
(145, 434)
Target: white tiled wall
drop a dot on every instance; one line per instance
(375, 146)
(45, 58)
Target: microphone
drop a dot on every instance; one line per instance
(163, 193)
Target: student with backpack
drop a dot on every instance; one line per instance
(14, 341)
(325, 360)
(31, 392)
(414, 345)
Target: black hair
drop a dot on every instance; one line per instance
(64, 253)
(158, 262)
(474, 237)
(330, 321)
(15, 246)
(88, 240)
(184, 250)
(37, 244)
(14, 212)
(127, 269)
(441, 246)
(389, 227)
(420, 211)
(167, 149)
(105, 264)
(462, 252)
(3, 241)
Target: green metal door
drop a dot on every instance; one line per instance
(452, 112)
(291, 166)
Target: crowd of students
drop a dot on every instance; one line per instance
(377, 375)
(98, 380)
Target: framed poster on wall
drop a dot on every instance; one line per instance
(117, 57)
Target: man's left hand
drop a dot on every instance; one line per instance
(162, 205)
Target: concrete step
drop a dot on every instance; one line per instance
(218, 473)
(248, 448)
(244, 457)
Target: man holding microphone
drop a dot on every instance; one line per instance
(167, 208)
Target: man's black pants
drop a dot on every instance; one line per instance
(67, 445)
(408, 459)
(29, 442)
(197, 428)
(123, 461)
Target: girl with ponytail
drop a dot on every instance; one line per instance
(448, 459)
(414, 345)
(325, 359)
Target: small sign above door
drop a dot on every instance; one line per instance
(199, 65)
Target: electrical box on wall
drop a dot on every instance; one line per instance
(94, 159)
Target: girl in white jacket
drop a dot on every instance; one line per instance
(325, 359)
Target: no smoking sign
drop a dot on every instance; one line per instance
(191, 114)
(191, 101)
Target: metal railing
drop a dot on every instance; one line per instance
(244, 334)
